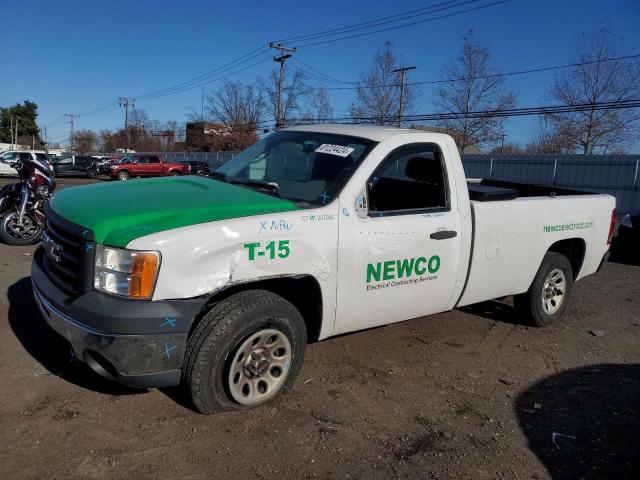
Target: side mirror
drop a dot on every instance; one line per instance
(361, 207)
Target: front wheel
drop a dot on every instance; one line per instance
(91, 174)
(175, 173)
(547, 298)
(13, 233)
(123, 175)
(246, 350)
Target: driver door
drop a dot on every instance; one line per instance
(399, 255)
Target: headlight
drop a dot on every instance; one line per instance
(128, 273)
(112, 166)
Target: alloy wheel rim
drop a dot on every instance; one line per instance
(553, 292)
(259, 366)
(28, 228)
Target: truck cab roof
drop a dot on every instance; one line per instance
(370, 132)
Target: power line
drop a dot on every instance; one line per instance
(347, 37)
(204, 78)
(508, 74)
(222, 77)
(373, 23)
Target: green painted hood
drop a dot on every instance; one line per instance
(119, 212)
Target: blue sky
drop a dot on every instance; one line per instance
(74, 56)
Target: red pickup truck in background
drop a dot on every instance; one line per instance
(146, 166)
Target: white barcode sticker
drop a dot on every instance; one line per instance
(338, 150)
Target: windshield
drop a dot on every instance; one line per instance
(304, 167)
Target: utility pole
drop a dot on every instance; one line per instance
(11, 117)
(401, 71)
(44, 134)
(16, 131)
(281, 59)
(125, 102)
(71, 116)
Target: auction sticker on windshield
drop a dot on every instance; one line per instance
(338, 150)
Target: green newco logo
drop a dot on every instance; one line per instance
(405, 268)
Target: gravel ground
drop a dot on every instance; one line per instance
(470, 393)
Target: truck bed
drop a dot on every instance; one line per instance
(510, 237)
(487, 190)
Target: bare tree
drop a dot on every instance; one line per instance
(549, 140)
(592, 81)
(294, 90)
(378, 94)
(138, 117)
(318, 108)
(85, 141)
(240, 109)
(476, 86)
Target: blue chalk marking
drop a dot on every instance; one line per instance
(324, 197)
(88, 246)
(168, 348)
(169, 322)
(263, 227)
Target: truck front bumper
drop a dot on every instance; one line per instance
(135, 343)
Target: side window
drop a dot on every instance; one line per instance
(140, 159)
(65, 161)
(25, 156)
(41, 156)
(411, 178)
(154, 159)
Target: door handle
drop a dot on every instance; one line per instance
(444, 234)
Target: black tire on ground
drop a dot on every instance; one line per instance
(9, 239)
(215, 341)
(176, 173)
(92, 173)
(124, 175)
(530, 305)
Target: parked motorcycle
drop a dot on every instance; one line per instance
(22, 204)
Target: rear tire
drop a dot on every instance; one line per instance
(229, 363)
(547, 298)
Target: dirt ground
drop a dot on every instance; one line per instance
(470, 393)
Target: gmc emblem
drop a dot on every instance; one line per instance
(51, 249)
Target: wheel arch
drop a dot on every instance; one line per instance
(302, 291)
(574, 250)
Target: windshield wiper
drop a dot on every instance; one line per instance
(271, 186)
(218, 174)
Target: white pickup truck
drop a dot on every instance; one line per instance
(219, 283)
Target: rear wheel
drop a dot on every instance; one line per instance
(124, 175)
(14, 233)
(547, 298)
(247, 349)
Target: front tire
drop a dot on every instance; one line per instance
(11, 233)
(124, 175)
(247, 350)
(547, 298)
(175, 173)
